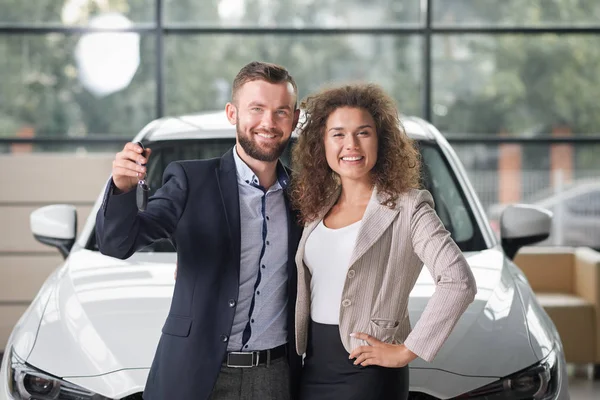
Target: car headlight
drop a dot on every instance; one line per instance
(28, 383)
(538, 382)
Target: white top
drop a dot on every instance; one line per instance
(327, 255)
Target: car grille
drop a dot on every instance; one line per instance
(420, 396)
(135, 396)
(411, 396)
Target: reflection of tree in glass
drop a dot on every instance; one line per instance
(41, 91)
(199, 65)
(516, 13)
(518, 83)
(504, 82)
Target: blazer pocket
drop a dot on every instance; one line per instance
(385, 323)
(384, 329)
(177, 326)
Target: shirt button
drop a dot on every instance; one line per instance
(267, 242)
(224, 338)
(346, 303)
(351, 273)
(231, 303)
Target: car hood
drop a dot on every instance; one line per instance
(490, 341)
(105, 314)
(102, 324)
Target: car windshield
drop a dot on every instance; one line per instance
(450, 202)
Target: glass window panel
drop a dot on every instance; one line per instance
(483, 161)
(523, 173)
(43, 91)
(516, 13)
(448, 197)
(73, 12)
(200, 69)
(294, 13)
(534, 85)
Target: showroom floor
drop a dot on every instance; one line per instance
(584, 389)
(581, 384)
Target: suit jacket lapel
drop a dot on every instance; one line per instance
(375, 221)
(294, 231)
(228, 186)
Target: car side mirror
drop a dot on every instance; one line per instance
(521, 225)
(56, 226)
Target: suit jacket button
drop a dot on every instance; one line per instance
(351, 273)
(224, 338)
(231, 303)
(346, 303)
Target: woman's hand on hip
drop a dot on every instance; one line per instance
(380, 353)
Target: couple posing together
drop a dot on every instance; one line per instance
(293, 284)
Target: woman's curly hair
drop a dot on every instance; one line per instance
(398, 164)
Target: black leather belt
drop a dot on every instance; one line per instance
(248, 359)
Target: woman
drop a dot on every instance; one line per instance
(368, 231)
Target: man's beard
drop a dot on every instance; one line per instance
(255, 151)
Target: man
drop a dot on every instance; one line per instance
(229, 333)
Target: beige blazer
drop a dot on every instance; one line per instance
(391, 247)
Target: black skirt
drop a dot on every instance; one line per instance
(329, 374)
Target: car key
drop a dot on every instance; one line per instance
(141, 193)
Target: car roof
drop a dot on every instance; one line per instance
(214, 125)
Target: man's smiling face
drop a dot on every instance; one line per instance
(265, 117)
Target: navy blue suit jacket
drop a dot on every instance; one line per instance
(198, 209)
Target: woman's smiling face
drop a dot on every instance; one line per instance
(351, 143)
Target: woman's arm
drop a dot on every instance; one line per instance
(455, 284)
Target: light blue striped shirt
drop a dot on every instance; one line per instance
(261, 313)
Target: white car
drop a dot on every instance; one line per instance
(93, 328)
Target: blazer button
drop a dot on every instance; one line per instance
(231, 303)
(224, 338)
(346, 303)
(351, 273)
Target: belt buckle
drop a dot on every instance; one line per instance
(243, 359)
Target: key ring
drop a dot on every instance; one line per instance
(142, 190)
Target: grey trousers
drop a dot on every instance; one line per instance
(257, 383)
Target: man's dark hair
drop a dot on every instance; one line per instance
(268, 72)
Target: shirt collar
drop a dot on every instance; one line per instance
(245, 173)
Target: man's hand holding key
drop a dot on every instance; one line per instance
(128, 167)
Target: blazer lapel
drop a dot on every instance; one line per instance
(228, 186)
(376, 220)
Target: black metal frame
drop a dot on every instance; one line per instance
(427, 31)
